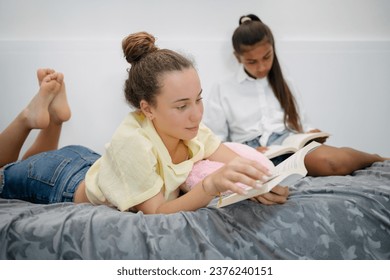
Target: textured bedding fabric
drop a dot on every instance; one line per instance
(337, 217)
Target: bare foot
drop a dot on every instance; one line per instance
(380, 158)
(36, 114)
(59, 108)
(42, 73)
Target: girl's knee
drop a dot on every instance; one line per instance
(327, 162)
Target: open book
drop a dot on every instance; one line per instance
(293, 143)
(286, 173)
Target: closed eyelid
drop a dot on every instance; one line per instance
(187, 100)
(182, 107)
(251, 61)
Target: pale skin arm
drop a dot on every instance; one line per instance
(236, 169)
(278, 194)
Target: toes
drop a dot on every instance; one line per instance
(43, 72)
(60, 77)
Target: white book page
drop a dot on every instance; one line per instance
(294, 140)
(296, 160)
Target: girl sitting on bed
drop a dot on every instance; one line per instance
(271, 110)
(151, 153)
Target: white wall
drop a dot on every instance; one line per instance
(338, 52)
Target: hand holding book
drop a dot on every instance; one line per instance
(284, 174)
(222, 177)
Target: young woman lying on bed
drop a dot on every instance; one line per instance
(151, 153)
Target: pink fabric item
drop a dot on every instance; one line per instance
(205, 167)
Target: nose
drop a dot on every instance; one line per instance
(197, 113)
(260, 67)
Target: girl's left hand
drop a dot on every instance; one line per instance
(314, 130)
(262, 149)
(278, 195)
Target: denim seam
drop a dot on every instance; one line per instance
(2, 175)
(63, 182)
(2, 181)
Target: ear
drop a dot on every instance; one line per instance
(146, 108)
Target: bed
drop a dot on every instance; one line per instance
(336, 217)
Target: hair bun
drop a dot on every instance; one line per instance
(250, 17)
(137, 45)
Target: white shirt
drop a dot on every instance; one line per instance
(241, 108)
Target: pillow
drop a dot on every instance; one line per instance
(205, 167)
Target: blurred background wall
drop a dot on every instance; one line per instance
(337, 52)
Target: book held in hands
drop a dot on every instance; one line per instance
(286, 173)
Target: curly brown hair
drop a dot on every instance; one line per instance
(148, 63)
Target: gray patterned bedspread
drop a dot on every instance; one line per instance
(337, 217)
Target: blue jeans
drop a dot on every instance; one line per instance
(276, 138)
(48, 177)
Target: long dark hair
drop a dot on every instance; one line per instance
(252, 30)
